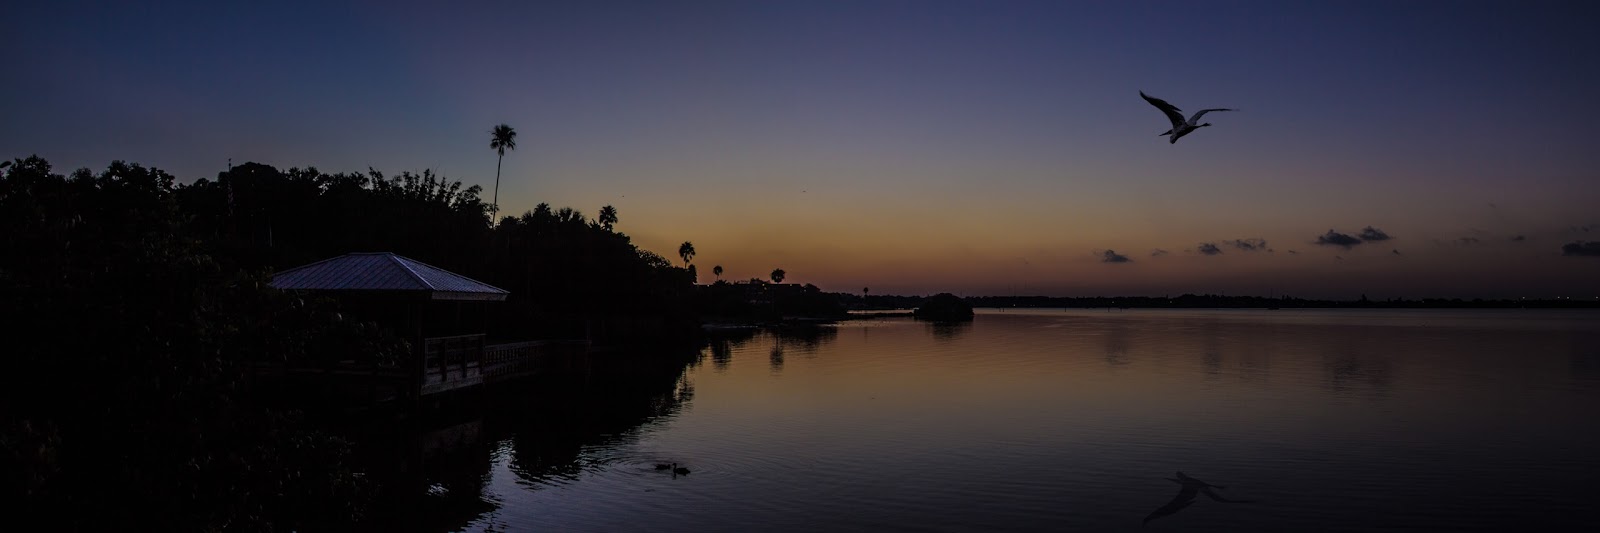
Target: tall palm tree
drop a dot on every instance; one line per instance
(686, 251)
(777, 275)
(502, 138)
(608, 217)
(717, 270)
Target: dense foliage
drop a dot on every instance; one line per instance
(568, 276)
(136, 309)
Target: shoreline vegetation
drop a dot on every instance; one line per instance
(140, 305)
(1211, 301)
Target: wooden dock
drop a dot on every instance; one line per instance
(466, 361)
(446, 364)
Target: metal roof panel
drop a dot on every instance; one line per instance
(384, 271)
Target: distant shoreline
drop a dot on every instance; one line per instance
(1209, 301)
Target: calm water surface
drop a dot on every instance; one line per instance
(1072, 420)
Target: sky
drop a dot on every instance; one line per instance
(913, 147)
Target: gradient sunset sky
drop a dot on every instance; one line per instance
(907, 146)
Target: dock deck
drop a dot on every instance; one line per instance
(446, 364)
(466, 361)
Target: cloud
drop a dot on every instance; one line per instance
(1207, 248)
(1111, 256)
(1519, 238)
(1292, 252)
(1158, 252)
(1462, 241)
(1581, 249)
(1249, 245)
(1584, 228)
(1334, 238)
(1371, 234)
(1395, 251)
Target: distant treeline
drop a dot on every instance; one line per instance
(756, 300)
(1213, 301)
(1199, 301)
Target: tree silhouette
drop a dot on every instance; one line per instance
(148, 309)
(503, 138)
(777, 275)
(569, 215)
(686, 251)
(608, 217)
(717, 270)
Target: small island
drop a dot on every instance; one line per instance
(944, 307)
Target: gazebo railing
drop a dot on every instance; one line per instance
(459, 354)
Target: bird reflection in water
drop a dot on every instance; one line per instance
(1190, 489)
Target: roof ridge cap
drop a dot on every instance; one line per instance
(414, 275)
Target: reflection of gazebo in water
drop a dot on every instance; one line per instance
(434, 308)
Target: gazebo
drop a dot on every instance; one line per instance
(411, 296)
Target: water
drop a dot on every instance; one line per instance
(1058, 420)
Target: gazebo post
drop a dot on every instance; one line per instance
(420, 346)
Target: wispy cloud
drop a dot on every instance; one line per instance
(1111, 256)
(1158, 252)
(1581, 249)
(1207, 248)
(1334, 238)
(1395, 251)
(1519, 238)
(1249, 245)
(1371, 234)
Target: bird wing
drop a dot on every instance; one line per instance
(1185, 478)
(1218, 497)
(1184, 498)
(1202, 112)
(1173, 113)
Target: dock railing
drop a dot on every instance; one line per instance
(463, 361)
(460, 355)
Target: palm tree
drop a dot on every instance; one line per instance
(717, 270)
(569, 215)
(608, 217)
(686, 251)
(777, 275)
(502, 138)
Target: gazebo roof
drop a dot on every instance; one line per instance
(385, 272)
